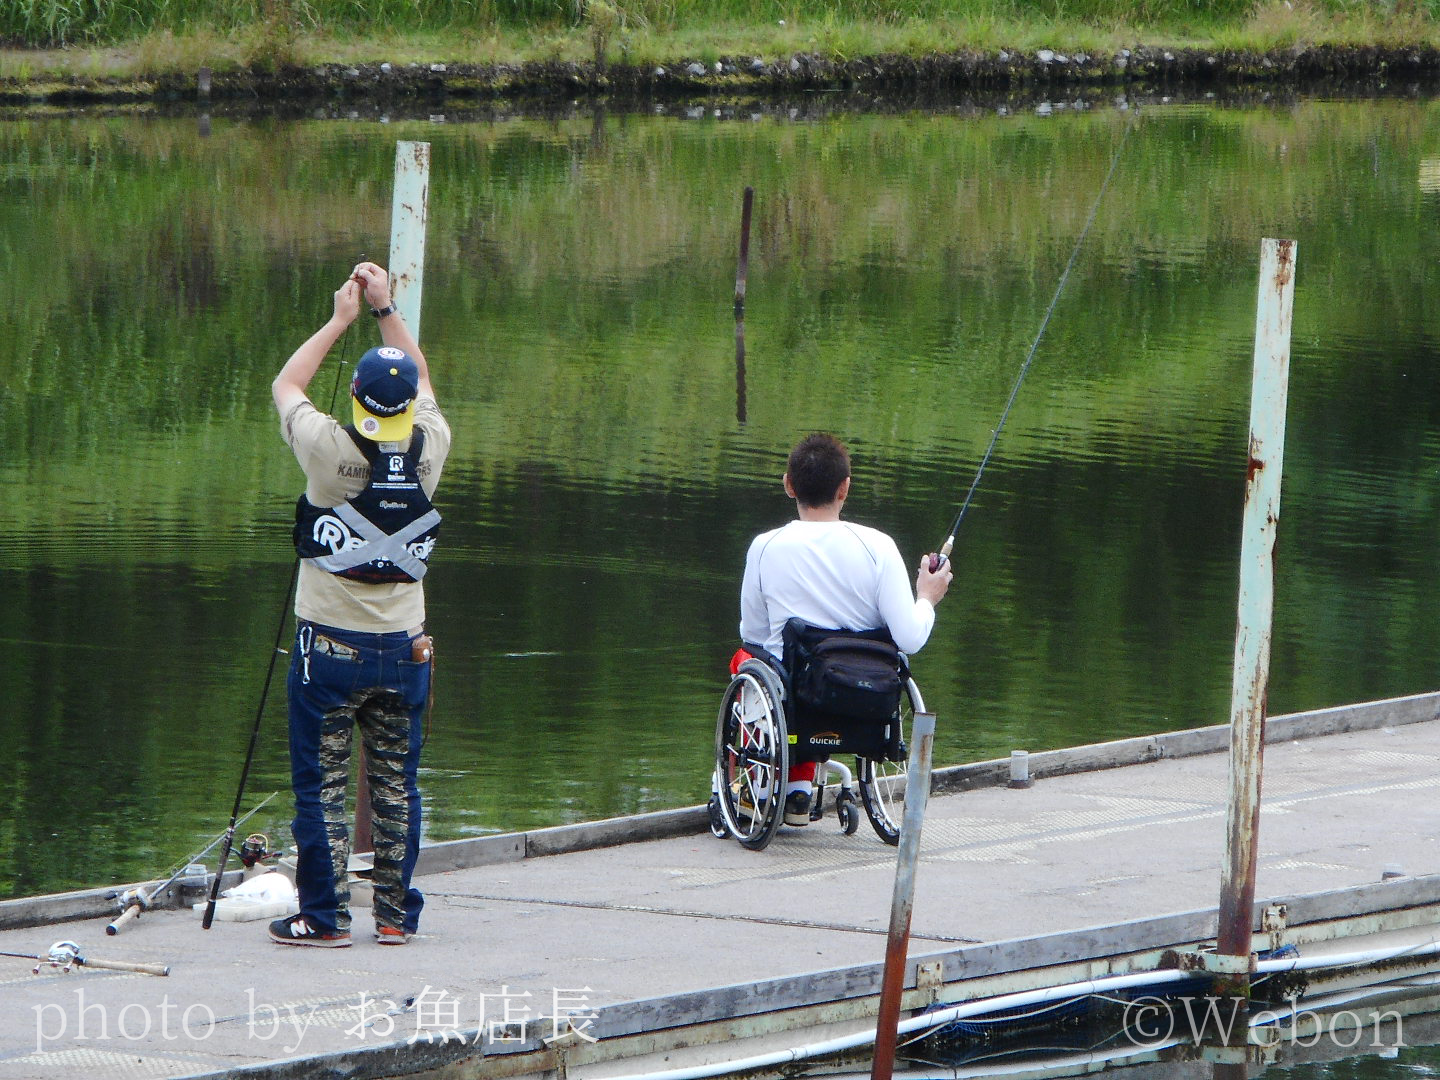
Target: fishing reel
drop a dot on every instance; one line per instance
(256, 848)
(941, 557)
(130, 898)
(64, 955)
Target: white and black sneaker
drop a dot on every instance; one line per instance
(296, 931)
(797, 808)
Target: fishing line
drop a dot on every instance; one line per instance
(269, 672)
(937, 561)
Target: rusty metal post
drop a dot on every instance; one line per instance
(409, 213)
(892, 982)
(1251, 677)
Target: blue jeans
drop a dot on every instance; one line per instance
(341, 680)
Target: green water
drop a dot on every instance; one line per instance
(602, 491)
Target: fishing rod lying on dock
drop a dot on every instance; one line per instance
(938, 560)
(65, 955)
(134, 901)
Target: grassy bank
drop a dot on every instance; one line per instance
(148, 39)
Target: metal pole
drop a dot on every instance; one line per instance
(1251, 678)
(892, 983)
(409, 213)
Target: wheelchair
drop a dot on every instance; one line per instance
(762, 728)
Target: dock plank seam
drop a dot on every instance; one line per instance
(644, 909)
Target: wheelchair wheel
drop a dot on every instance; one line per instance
(752, 756)
(882, 782)
(847, 812)
(717, 819)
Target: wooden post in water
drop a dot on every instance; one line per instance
(409, 213)
(742, 269)
(1251, 677)
(892, 982)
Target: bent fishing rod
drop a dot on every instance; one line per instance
(938, 560)
(229, 839)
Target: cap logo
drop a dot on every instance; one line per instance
(369, 426)
(384, 410)
(389, 352)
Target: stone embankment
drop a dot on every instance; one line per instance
(1035, 72)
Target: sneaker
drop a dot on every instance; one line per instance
(389, 935)
(797, 808)
(296, 931)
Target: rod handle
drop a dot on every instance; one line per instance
(130, 914)
(209, 917)
(939, 559)
(120, 965)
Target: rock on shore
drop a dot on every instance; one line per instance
(1036, 70)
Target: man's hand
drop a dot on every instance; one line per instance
(932, 587)
(376, 283)
(347, 302)
(290, 386)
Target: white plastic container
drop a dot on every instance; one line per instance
(266, 896)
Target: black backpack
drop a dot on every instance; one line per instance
(858, 675)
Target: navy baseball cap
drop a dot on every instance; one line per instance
(383, 391)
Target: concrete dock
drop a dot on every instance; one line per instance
(1097, 867)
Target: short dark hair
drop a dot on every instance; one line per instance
(818, 465)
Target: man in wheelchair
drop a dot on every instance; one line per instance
(821, 585)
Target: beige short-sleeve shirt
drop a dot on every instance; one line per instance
(335, 470)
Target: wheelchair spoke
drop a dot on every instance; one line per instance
(882, 780)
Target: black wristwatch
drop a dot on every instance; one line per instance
(380, 313)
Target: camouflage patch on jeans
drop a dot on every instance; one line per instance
(387, 742)
(334, 761)
(385, 729)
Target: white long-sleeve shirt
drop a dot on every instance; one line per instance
(832, 574)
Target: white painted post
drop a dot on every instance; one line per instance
(409, 212)
(1251, 677)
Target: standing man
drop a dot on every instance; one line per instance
(832, 574)
(364, 529)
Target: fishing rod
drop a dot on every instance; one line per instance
(65, 955)
(229, 838)
(134, 901)
(938, 560)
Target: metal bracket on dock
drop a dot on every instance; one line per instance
(930, 976)
(1225, 1055)
(1221, 964)
(1252, 1052)
(561, 1047)
(1208, 960)
(1273, 922)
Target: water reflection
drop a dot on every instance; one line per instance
(602, 488)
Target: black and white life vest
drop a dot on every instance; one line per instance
(386, 532)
